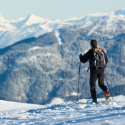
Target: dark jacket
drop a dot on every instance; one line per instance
(89, 56)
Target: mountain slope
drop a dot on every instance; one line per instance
(36, 70)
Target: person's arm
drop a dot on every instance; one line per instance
(85, 57)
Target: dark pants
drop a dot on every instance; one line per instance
(93, 78)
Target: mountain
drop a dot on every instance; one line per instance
(120, 12)
(83, 112)
(36, 70)
(12, 31)
(2, 19)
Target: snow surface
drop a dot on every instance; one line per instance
(64, 113)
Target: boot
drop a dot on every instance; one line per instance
(94, 100)
(107, 94)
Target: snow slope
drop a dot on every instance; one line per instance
(66, 113)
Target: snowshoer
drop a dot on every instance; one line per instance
(97, 62)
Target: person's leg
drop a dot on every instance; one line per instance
(93, 78)
(101, 82)
(102, 86)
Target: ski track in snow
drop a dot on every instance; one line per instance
(58, 37)
(67, 113)
(94, 28)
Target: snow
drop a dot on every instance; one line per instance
(73, 18)
(74, 93)
(57, 100)
(32, 19)
(64, 113)
(97, 14)
(6, 105)
(34, 48)
(2, 18)
(58, 36)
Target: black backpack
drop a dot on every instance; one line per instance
(98, 59)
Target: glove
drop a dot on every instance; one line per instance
(80, 55)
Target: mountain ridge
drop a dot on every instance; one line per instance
(34, 26)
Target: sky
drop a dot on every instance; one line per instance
(61, 9)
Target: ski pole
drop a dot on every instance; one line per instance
(78, 81)
(109, 88)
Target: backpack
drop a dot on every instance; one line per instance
(98, 59)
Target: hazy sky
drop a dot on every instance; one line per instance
(62, 9)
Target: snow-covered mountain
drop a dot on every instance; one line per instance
(12, 31)
(66, 113)
(120, 12)
(36, 70)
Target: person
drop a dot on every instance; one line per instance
(94, 72)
